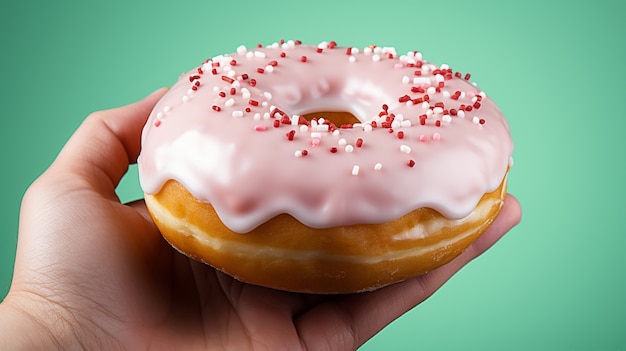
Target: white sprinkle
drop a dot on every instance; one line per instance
(322, 128)
(266, 115)
(378, 50)
(304, 128)
(342, 142)
(444, 66)
(439, 78)
(483, 94)
(429, 112)
(349, 148)
(405, 148)
(367, 50)
(336, 132)
(355, 170)
(230, 102)
(267, 95)
(425, 105)
(295, 119)
(185, 99)
(235, 84)
(352, 59)
(375, 58)
(431, 90)
(446, 118)
(298, 153)
(259, 54)
(368, 128)
(237, 113)
(269, 68)
(406, 80)
(160, 115)
(438, 110)
(355, 51)
(395, 124)
(398, 65)
(167, 109)
(436, 136)
(446, 94)
(421, 80)
(191, 92)
(264, 104)
(475, 120)
(406, 123)
(474, 99)
(245, 93)
(461, 114)
(216, 89)
(322, 45)
(257, 116)
(316, 135)
(249, 54)
(378, 166)
(399, 117)
(241, 49)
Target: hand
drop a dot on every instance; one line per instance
(94, 273)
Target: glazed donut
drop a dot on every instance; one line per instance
(324, 169)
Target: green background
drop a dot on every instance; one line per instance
(556, 282)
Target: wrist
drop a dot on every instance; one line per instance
(32, 325)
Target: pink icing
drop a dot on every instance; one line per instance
(228, 131)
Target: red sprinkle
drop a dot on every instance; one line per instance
(233, 62)
(221, 94)
(228, 79)
(283, 55)
(252, 82)
(481, 121)
(411, 163)
(244, 76)
(359, 142)
(274, 63)
(291, 135)
(319, 50)
(216, 108)
(233, 91)
(467, 76)
(303, 59)
(332, 44)
(260, 70)
(400, 135)
(349, 51)
(438, 123)
(333, 150)
(253, 102)
(260, 128)
(192, 78)
(305, 152)
(276, 123)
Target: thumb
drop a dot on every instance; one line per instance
(105, 144)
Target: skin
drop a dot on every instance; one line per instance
(93, 273)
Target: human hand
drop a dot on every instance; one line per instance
(93, 273)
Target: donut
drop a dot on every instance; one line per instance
(324, 168)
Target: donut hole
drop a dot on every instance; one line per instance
(338, 118)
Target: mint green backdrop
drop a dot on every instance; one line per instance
(556, 282)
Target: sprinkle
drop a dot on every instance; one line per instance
(467, 76)
(436, 136)
(355, 170)
(359, 142)
(315, 142)
(237, 113)
(375, 58)
(185, 99)
(475, 120)
(406, 80)
(167, 109)
(267, 95)
(260, 128)
(461, 114)
(291, 134)
(352, 59)
(241, 50)
(333, 150)
(253, 103)
(303, 59)
(229, 102)
(411, 163)
(378, 166)
(342, 142)
(481, 121)
(276, 123)
(216, 108)
(157, 123)
(259, 54)
(405, 148)
(298, 153)
(400, 135)
(446, 119)
(228, 79)
(349, 148)
(423, 138)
